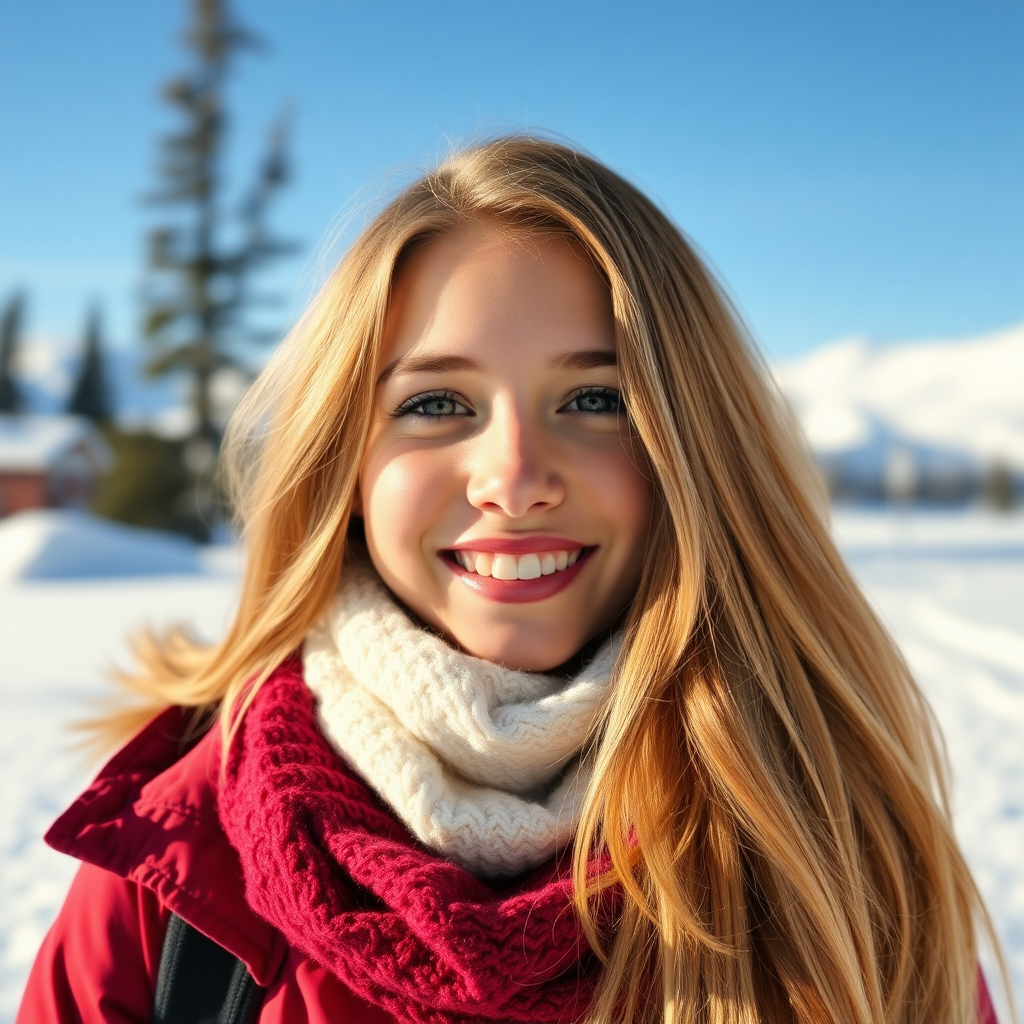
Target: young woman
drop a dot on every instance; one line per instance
(548, 697)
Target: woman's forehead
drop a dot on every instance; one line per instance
(484, 286)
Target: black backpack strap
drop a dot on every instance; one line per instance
(200, 982)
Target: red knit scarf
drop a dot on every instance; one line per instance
(344, 881)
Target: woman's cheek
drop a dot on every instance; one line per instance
(614, 481)
(404, 498)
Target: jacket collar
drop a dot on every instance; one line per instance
(151, 817)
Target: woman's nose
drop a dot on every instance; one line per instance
(513, 467)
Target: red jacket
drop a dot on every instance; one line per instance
(149, 835)
(148, 832)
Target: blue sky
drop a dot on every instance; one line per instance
(847, 166)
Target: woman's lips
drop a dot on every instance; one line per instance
(519, 545)
(518, 591)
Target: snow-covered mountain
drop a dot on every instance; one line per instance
(946, 410)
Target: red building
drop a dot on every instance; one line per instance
(49, 462)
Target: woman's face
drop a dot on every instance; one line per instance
(504, 500)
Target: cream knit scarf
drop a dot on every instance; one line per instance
(481, 762)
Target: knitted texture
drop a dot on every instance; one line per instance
(480, 761)
(329, 866)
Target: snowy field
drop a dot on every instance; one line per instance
(950, 587)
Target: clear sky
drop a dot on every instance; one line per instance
(848, 166)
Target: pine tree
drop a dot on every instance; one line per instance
(10, 336)
(200, 296)
(90, 395)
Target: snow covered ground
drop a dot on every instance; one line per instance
(951, 588)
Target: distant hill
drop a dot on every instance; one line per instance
(938, 414)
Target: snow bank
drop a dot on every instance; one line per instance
(61, 544)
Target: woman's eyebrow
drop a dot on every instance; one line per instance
(426, 364)
(583, 360)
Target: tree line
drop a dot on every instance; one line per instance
(90, 394)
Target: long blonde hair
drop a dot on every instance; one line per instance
(769, 794)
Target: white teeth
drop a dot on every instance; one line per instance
(529, 567)
(505, 567)
(508, 567)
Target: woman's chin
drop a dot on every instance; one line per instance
(523, 650)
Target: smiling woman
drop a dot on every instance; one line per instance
(548, 697)
(499, 466)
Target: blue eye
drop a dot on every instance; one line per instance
(434, 405)
(594, 400)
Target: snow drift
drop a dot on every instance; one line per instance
(50, 544)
